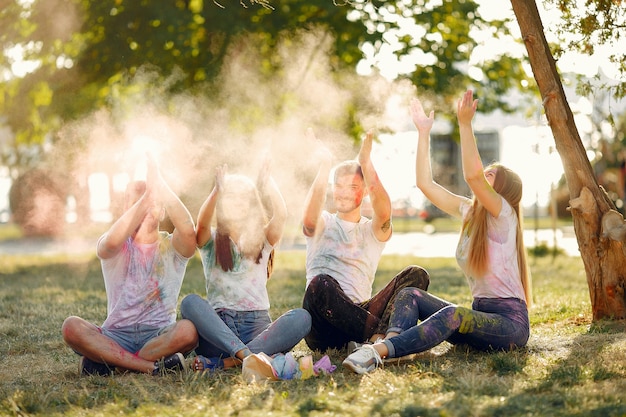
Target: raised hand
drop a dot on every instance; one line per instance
(220, 173)
(320, 151)
(421, 121)
(366, 148)
(264, 173)
(466, 107)
(154, 180)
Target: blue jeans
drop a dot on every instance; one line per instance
(491, 323)
(223, 333)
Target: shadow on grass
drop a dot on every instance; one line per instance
(587, 362)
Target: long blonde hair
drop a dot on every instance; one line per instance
(509, 185)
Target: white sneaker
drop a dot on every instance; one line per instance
(363, 360)
(352, 345)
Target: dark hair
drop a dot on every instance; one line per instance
(238, 185)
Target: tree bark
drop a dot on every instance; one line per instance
(604, 258)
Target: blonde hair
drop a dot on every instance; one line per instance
(509, 185)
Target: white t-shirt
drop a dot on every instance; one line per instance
(244, 288)
(503, 277)
(348, 252)
(143, 283)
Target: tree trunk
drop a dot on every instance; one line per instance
(603, 255)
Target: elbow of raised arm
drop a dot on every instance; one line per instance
(475, 182)
(421, 183)
(187, 233)
(107, 248)
(202, 234)
(426, 186)
(383, 209)
(473, 176)
(280, 216)
(184, 226)
(280, 209)
(309, 225)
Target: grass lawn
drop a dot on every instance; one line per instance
(570, 367)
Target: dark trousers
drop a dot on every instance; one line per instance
(337, 320)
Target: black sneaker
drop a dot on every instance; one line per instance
(89, 367)
(173, 362)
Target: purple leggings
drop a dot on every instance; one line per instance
(491, 323)
(337, 320)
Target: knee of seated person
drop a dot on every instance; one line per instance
(321, 282)
(413, 276)
(68, 323)
(299, 315)
(188, 303)
(186, 333)
(418, 271)
(410, 292)
(421, 271)
(69, 328)
(304, 319)
(451, 310)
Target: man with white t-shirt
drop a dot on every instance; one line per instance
(343, 251)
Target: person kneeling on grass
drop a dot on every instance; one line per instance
(143, 272)
(491, 253)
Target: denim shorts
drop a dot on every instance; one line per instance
(133, 338)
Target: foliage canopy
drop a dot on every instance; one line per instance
(84, 53)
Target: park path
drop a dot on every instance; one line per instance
(47, 246)
(444, 244)
(414, 243)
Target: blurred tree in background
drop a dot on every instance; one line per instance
(254, 65)
(68, 60)
(83, 53)
(584, 29)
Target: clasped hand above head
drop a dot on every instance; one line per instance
(220, 173)
(366, 149)
(264, 175)
(320, 152)
(154, 180)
